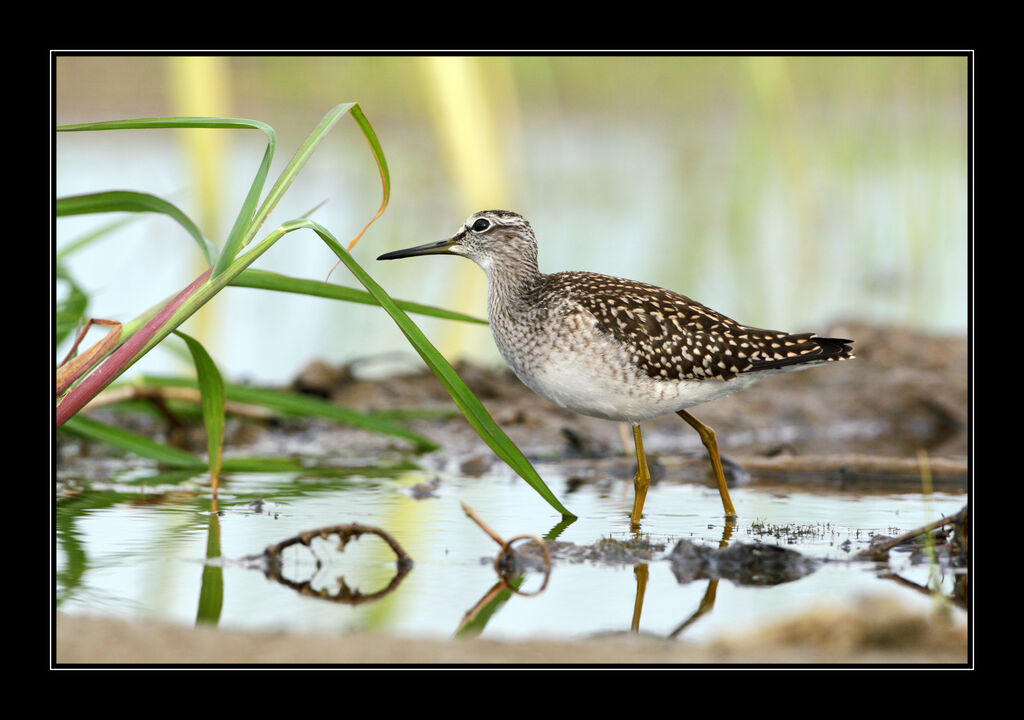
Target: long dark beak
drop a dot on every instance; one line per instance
(434, 248)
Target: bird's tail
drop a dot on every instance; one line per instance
(834, 348)
(803, 350)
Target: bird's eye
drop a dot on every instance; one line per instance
(481, 225)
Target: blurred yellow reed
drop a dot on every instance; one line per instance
(471, 118)
(200, 86)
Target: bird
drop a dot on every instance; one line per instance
(618, 349)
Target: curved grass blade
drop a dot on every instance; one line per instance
(93, 235)
(211, 586)
(211, 390)
(85, 427)
(89, 428)
(288, 403)
(144, 333)
(291, 170)
(382, 166)
(71, 309)
(244, 228)
(474, 411)
(132, 442)
(128, 201)
(306, 149)
(266, 280)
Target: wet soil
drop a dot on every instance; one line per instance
(861, 424)
(852, 424)
(875, 632)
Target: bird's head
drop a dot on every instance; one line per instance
(490, 238)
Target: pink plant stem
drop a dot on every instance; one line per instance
(120, 358)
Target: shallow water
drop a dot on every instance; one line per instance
(136, 547)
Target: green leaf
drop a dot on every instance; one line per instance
(475, 625)
(87, 427)
(211, 588)
(474, 411)
(71, 309)
(243, 228)
(128, 201)
(93, 235)
(211, 390)
(289, 403)
(382, 167)
(154, 325)
(299, 159)
(265, 280)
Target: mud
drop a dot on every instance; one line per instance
(742, 563)
(856, 423)
(859, 424)
(874, 632)
(852, 424)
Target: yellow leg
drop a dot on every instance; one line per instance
(707, 436)
(642, 481)
(641, 573)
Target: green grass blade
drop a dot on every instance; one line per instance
(70, 312)
(382, 167)
(211, 390)
(167, 123)
(92, 236)
(243, 228)
(87, 427)
(211, 587)
(265, 280)
(474, 411)
(476, 625)
(303, 154)
(128, 201)
(289, 403)
(145, 332)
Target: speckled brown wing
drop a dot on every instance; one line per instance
(675, 338)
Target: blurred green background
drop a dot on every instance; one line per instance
(787, 192)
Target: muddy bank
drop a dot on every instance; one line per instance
(849, 422)
(855, 424)
(876, 631)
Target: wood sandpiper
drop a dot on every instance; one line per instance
(618, 349)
